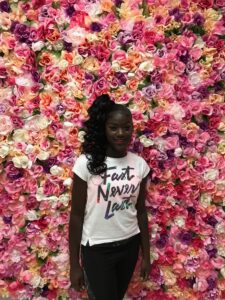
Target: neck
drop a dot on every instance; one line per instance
(115, 154)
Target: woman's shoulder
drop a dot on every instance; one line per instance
(135, 156)
(81, 161)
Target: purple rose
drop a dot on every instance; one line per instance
(4, 6)
(185, 238)
(149, 91)
(121, 77)
(12, 172)
(125, 38)
(96, 27)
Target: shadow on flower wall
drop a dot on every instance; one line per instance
(162, 58)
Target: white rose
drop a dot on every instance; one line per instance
(35, 281)
(15, 256)
(63, 64)
(67, 182)
(177, 111)
(146, 66)
(211, 174)
(199, 43)
(64, 198)
(78, 59)
(29, 149)
(221, 251)
(93, 9)
(42, 122)
(155, 229)
(22, 162)
(171, 200)
(76, 36)
(56, 170)
(20, 135)
(145, 141)
(220, 228)
(179, 221)
(194, 78)
(40, 194)
(178, 152)
(68, 114)
(92, 37)
(115, 66)
(37, 122)
(81, 135)
(43, 155)
(37, 46)
(68, 124)
(52, 198)
(222, 271)
(31, 215)
(24, 81)
(4, 150)
(154, 255)
(130, 74)
(205, 200)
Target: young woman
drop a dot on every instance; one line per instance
(108, 220)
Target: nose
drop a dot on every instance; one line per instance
(120, 132)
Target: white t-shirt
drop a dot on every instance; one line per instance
(110, 213)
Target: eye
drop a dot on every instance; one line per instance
(112, 128)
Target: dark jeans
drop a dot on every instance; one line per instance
(109, 267)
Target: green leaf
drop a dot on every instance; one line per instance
(154, 103)
(50, 138)
(158, 45)
(198, 30)
(36, 111)
(222, 37)
(57, 53)
(41, 261)
(56, 4)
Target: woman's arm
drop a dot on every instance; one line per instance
(79, 199)
(143, 225)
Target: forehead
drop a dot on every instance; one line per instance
(119, 117)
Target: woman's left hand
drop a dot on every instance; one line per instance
(145, 269)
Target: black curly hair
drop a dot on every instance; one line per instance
(95, 142)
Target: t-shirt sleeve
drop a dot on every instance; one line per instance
(145, 168)
(80, 167)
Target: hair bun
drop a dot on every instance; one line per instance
(102, 103)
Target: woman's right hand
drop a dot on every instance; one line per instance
(77, 278)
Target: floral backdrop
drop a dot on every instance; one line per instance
(162, 58)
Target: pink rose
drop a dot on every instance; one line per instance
(119, 55)
(6, 125)
(203, 137)
(105, 68)
(101, 86)
(205, 3)
(191, 136)
(167, 92)
(195, 108)
(187, 18)
(150, 36)
(179, 67)
(172, 142)
(219, 3)
(195, 53)
(101, 52)
(201, 285)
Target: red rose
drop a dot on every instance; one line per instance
(205, 3)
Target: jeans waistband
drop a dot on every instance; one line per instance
(115, 243)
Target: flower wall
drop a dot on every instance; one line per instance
(162, 58)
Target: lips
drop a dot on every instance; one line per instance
(120, 142)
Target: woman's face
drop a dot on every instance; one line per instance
(118, 129)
